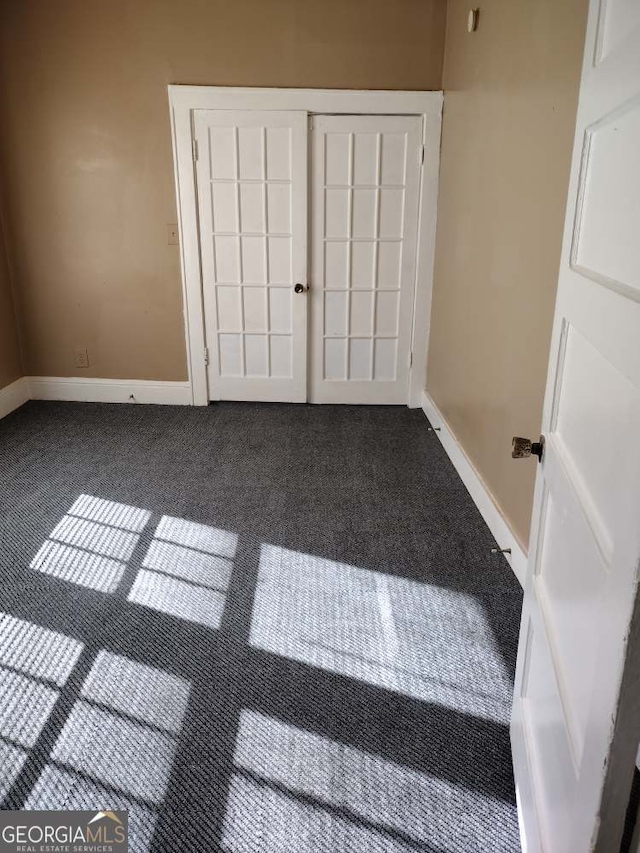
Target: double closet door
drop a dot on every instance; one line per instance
(308, 232)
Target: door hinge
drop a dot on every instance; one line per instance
(206, 356)
(310, 122)
(194, 148)
(421, 154)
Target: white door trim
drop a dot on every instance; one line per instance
(14, 395)
(183, 100)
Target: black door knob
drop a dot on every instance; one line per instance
(523, 447)
(299, 288)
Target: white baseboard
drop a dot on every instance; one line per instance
(13, 396)
(87, 390)
(478, 490)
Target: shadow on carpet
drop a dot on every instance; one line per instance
(268, 628)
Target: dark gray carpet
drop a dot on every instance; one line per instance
(256, 627)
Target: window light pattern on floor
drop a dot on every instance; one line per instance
(66, 790)
(125, 755)
(142, 692)
(92, 543)
(118, 744)
(291, 783)
(186, 571)
(34, 664)
(414, 638)
(239, 739)
(36, 651)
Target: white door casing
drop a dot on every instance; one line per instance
(252, 204)
(576, 713)
(364, 217)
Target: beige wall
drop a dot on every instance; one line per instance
(85, 157)
(85, 148)
(10, 361)
(510, 102)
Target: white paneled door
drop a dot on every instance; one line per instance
(365, 190)
(252, 205)
(576, 714)
(252, 176)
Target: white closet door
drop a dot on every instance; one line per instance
(252, 200)
(365, 212)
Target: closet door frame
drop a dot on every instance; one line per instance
(185, 100)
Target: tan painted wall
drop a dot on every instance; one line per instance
(10, 360)
(510, 102)
(86, 152)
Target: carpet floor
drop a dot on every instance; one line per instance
(269, 628)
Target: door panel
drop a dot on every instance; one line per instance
(576, 713)
(607, 231)
(252, 204)
(549, 759)
(365, 210)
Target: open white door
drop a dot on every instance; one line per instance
(576, 714)
(252, 207)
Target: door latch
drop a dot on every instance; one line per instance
(523, 447)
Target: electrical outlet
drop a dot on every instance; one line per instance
(172, 233)
(81, 357)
